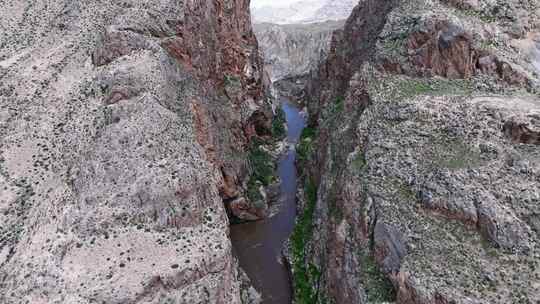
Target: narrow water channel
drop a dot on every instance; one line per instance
(258, 244)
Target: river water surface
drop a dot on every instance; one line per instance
(258, 244)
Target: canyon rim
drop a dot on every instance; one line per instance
(379, 151)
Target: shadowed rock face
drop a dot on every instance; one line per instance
(123, 127)
(426, 156)
(521, 133)
(350, 47)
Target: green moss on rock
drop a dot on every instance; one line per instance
(378, 288)
(305, 275)
(278, 125)
(306, 145)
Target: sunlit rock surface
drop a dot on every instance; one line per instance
(123, 129)
(425, 154)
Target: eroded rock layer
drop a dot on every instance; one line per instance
(124, 127)
(423, 147)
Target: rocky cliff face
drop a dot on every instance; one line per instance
(124, 128)
(295, 39)
(423, 147)
(293, 50)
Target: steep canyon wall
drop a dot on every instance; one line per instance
(423, 151)
(124, 128)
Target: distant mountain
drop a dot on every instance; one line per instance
(308, 11)
(292, 50)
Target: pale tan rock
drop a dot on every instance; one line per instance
(426, 156)
(111, 187)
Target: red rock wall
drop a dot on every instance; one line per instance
(223, 52)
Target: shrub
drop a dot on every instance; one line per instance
(378, 288)
(253, 192)
(339, 106)
(305, 146)
(262, 165)
(278, 125)
(262, 172)
(305, 275)
(232, 80)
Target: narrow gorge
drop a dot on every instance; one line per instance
(259, 244)
(270, 152)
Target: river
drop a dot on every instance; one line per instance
(258, 244)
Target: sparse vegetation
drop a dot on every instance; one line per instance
(253, 192)
(305, 275)
(262, 164)
(395, 45)
(263, 170)
(278, 125)
(454, 154)
(378, 288)
(392, 45)
(305, 146)
(359, 162)
(482, 15)
(413, 88)
(402, 88)
(231, 80)
(488, 45)
(339, 106)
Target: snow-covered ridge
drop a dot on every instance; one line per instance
(304, 11)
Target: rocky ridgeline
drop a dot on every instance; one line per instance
(124, 127)
(423, 147)
(302, 12)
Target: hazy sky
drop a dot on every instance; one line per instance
(259, 3)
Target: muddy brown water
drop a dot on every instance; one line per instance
(258, 244)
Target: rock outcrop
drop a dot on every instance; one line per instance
(124, 126)
(423, 147)
(478, 38)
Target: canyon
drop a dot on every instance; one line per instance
(295, 40)
(313, 152)
(294, 50)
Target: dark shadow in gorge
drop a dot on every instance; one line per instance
(258, 244)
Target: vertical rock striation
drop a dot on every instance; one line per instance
(123, 129)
